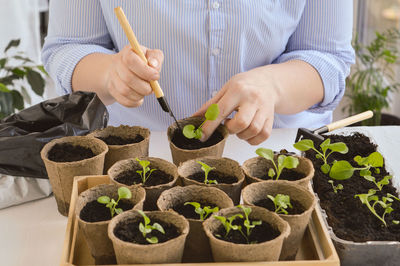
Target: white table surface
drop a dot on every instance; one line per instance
(33, 233)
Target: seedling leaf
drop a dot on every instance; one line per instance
(188, 131)
(266, 153)
(304, 145)
(212, 112)
(103, 199)
(325, 168)
(124, 193)
(152, 240)
(341, 170)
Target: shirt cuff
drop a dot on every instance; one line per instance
(63, 62)
(332, 71)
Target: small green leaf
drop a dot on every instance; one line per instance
(152, 240)
(339, 147)
(12, 43)
(142, 229)
(212, 112)
(339, 186)
(341, 170)
(325, 168)
(369, 178)
(159, 228)
(3, 62)
(41, 68)
(36, 81)
(304, 145)
(395, 222)
(271, 172)
(118, 210)
(290, 162)
(325, 145)
(188, 131)
(365, 172)
(375, 159)
(23, 58)
(360, 160)
(265, 153)
(124, 193)
(198, 133)
(193, 203)
(146, 219)
(259, 222)
(103, 199)
(18, 72)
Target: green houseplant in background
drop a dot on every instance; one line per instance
(13, 68)
(373, 76)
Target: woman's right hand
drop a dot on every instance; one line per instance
(127, 78)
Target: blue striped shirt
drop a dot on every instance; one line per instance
(205, 43)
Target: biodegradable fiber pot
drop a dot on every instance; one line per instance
(298, 222)
(197, 246)
(95, 233)
(180, 155)
(167, 252)
(224, 251)
(152, 192)
(225, 166)
(256, 167)
(120, 152)
(61, 174)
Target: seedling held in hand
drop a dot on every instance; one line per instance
(206, 169)
(307, 144)
(146, 171)
(284, 161)
(203, 212)
(281, 203)
(385, 203)
(342, 170)
(123, 193)
(146, 228)
(190, 131)
(337, 187)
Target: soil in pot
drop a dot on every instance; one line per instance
(66, 152)
(128, 231)
(220, 177)
(117, 140)
(131, 177)
(182, 142)
(297, 207)
(349, 218)
(261, 233)
(97, 212)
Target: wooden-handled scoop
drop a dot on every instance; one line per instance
(136, 48)
(314, 135)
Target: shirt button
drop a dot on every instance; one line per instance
(214, 93)
(215, 5)
(215, 51)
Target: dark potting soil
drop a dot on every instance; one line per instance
(117, 140)
(189, 211)
(297, 207)
(130, 177)
(94, 211)
(286, 174)
(214, 175)
(129, 231)
(65, 152)
(182, 142)
(349, 218)
(261, 233)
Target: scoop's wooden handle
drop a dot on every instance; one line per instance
(350, 120)
(136, 46)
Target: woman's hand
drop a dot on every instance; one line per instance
(253, 96)
(128, 76)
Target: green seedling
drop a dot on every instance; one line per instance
(327, 148)
(370, 197)
(190, 131)
(206, 169)
(203, 212)
(146, 171)
(337, 187)
(227, 222)
(384, 181)
(123, 193)
(247, 223)
(342, 170)
(146, 228)
(284, 161)
(281, 203)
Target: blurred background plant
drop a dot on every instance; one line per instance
(15, 68)
(373, 75)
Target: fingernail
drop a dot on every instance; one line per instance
(203, 138)
(153, 62)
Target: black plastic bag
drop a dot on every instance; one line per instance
(23, 135)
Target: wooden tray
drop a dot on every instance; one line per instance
(316, 247)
